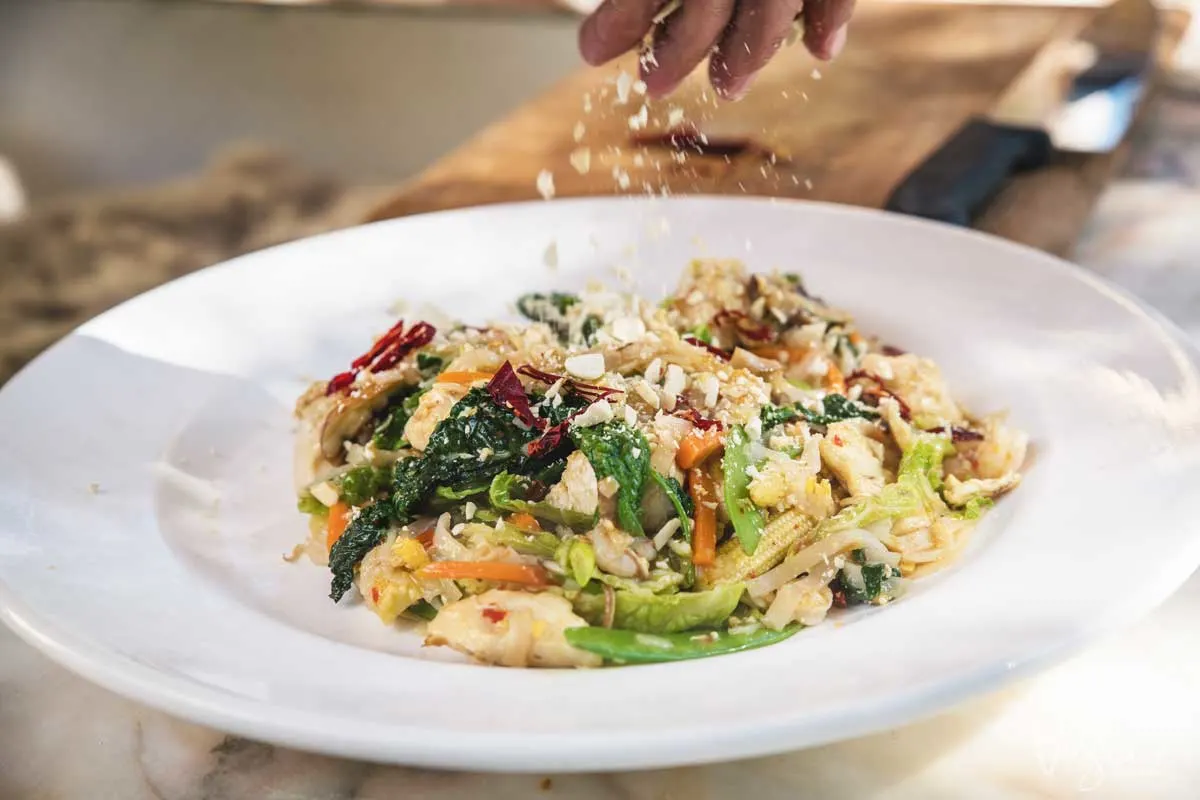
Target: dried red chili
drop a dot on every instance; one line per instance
(877, 391)
(958, 434)
(695, 417)
(755, 331)
(716, 351)
(506, 389)
(587, 391)
(549, 441)
(387, 351)
(494, 614)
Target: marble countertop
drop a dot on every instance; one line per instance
(1119, 720)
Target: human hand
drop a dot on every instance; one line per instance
(741, 35)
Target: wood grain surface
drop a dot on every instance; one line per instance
(847, 132)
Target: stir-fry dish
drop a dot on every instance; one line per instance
(619, 481)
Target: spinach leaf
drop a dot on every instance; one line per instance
(776, 415)
(591, 324)
(621, 452)
(358, 485)
(389, 434)
(410, 484)
(748, 521)
(567, 405)
(478, 441)
(364, 532)
(684, 509)
(550, 309)
(507, 490)
(429, 364)
(874, 578)
(836, 408)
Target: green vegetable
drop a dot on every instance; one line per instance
(478, 441)
(874, 580)
(549, 308)
(776, 415)
(661, 581)
(429, 365)
(975, 508)
(630, 647)
(684, 510)
(663, 613)
(505, 485)
(410, 484)
(531, 543)
(578, 558)
(591, 325)
(364, 532)
(307, 504)
(835, 408)
(357, 486)
(423, 610)
(748, 521)
(389, 434)
(446, 493)
(915, 490)
(621, 452)
(703, 333)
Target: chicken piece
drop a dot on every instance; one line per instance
(577, 491)
(385, 578)
(433, 407)
(1001, 452)
(918, 382)
(707, 287)
(512, 629)
(666, 432)
(854, 458)
(617, 553)
(783, 483)
(958, 493)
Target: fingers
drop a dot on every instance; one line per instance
(682, 41)
(825, 26)
(759, 29)
(615, 28)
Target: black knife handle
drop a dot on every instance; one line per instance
(956, 182)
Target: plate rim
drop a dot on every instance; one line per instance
(264, 721)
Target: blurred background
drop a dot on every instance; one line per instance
(96, 93)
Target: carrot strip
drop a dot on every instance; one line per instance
(339, 518)
(697, 446)
(425, 538)
(704, 532)
(499, 571)
(834, 380)
(463, 377)
(524, 521)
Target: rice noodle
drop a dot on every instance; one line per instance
(803, 561)
(791, 598)
(447, 547)
(665, 533)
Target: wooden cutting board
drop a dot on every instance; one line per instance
(847, 132)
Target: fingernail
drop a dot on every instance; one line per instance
(836, 43)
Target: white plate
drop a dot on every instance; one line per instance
(168, 584)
